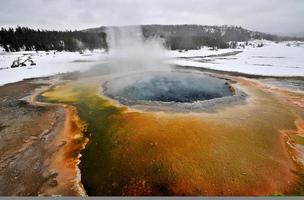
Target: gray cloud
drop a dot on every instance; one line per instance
(269, 16)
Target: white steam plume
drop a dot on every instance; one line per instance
(129, 49)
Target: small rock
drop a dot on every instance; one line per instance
(53, 174)
(33, 137)
(53, 183)
(62, 144)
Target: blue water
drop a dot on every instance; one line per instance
(168, 87)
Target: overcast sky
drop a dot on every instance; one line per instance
(274, 16)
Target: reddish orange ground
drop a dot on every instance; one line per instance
(239, 150)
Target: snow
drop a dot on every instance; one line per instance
(205, 51)
(282, 59)
(47, 63)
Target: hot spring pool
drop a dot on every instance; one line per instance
(179, 87)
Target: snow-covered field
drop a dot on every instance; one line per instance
(47, 63)
(205, 51)
(282, 59)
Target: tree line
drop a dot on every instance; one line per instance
(24, 38)
(175, 37)
(196, 36)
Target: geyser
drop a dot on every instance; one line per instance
(178, 87)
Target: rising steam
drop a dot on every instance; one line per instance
(128, 48)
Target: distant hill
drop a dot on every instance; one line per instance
(196, 36)
(174, 36)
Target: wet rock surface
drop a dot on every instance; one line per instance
(24, 149)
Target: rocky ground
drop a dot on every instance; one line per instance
(27, 140)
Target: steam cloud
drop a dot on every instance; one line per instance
(129, 49)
